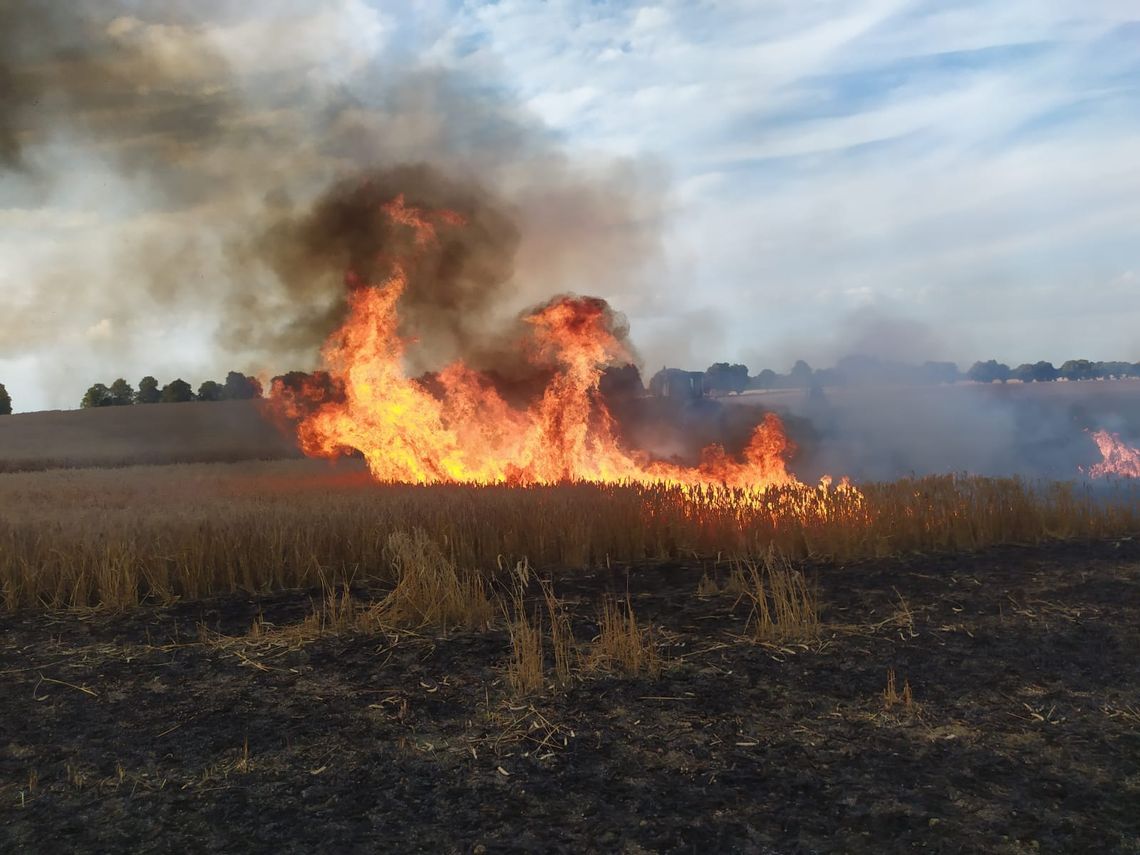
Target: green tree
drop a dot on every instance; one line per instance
(210, 391)
(1044, 372)
(148, 392)
(1078, 369)
(989, 371)
(5, 402)
(97, 396)
(177, 391)
(240, 387)
(1113, 369)
(621, 382)
(722, 377)
(122, 394)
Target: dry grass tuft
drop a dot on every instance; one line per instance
(430, 589)
(622, 645)
(526, 668)
(784, 605)
(338, 611)
(893, 698)
(561, 635)
(707, 587)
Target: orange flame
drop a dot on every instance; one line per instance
(467, 432)
(1118, 458)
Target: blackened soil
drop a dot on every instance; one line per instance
(168, 730)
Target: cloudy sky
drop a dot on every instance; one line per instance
(910, 179)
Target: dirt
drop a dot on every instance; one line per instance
(168, 730)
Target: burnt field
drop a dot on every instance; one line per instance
(240, 722)
(287, 655)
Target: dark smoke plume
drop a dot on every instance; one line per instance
(453, 281)
(92, 70)
(244, 181)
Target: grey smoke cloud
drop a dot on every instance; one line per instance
(235, 156)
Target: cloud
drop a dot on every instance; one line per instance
(182, 172)
(967, 163)
(969, 167)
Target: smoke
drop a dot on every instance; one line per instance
(146, 96)
(885, 432)
(231, 160)
(454, 282)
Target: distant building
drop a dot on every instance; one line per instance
(677, 383)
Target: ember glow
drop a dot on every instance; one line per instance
(1120, 459)
(462, 429)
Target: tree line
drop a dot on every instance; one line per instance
(718, 378)
(724, 377)
(236, 387)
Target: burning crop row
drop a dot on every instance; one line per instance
(1119, 459)
(457, 426)
(463, 430)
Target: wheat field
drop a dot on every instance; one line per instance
(113, 538)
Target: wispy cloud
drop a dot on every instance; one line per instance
(966, 166)
(970, 166)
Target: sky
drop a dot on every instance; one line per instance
(913, 180)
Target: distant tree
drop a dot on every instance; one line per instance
(723, 377)
(210, 391)
(5, 402)
(677, 383)
(148, 392)
(97, 396)
(299, 393)
(122, 395)
(177, 391)
(766, 379)
(1038, 372)
(1135, 370)
(989, 371)
(1112, 369)
(618, 382)
(316, 385)
(800, 376)
(1078, 369)
(241, 387)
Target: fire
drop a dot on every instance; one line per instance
(463, 430)
(1119, 459)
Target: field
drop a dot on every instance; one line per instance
(195, 432)
(282, 654)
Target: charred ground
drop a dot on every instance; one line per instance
(171, 729)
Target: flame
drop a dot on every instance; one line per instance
(464, 431)
(1118, 458)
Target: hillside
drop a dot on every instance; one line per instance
(194, 432)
